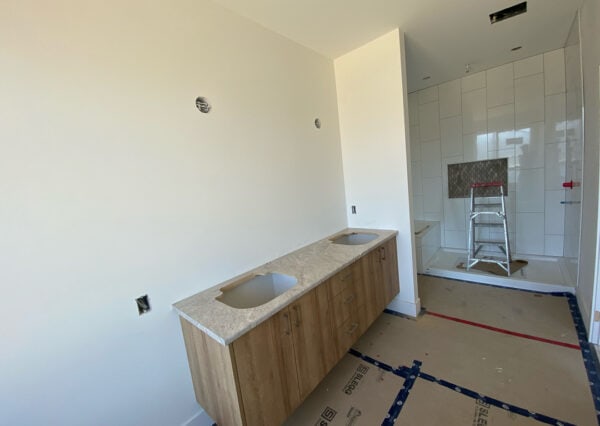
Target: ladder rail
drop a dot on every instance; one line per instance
(475, 244)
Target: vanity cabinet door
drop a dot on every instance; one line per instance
(312, 336)
(389, 262)
(373, 284)
(265, 363)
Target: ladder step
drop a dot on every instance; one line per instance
(490, 243)
(487, 205)
(491, 259)
(488, 225)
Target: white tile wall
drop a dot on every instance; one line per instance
(529, 153)
(473, 81)
(429, 121)
(450, 97)
(428, 95)
(529, 99)
(432, 195)
(415, 144)
(474, 111)
(554, 72)
(530, 190)
(556, 113)
(454, 214)
(500, 85)
(515, 111)
(529, 66)
(530, 233)
(554, 213)
(456, 239)
(554, 165)
(417, 180)
(501, 127)
(431, 159)
(451, 136)
(475, 147)
(553, 245)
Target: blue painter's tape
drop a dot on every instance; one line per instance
(493, 401)
(402, 396)
(588, 353)
(400, 371)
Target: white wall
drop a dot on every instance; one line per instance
(514, 111)
(590, 53)
(371, 89)
(113, 185)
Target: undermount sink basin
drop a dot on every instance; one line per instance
(354, 239)
(256, 290)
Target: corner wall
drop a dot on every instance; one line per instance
(590, 55)
(372, 104)
(113, 185)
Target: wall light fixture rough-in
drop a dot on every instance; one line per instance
(202, 104)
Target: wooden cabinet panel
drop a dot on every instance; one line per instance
(373, 284)
(266, 370)
(312, 336)
(214, 380)
(389, 257)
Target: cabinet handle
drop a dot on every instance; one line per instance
(349, 299)
(352, 329)
(298, 319)
(287, 331)
(382, 253)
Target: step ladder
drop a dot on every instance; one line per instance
(488, 211)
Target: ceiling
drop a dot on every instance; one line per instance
(442, 36)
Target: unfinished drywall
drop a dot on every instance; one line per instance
(371, 88)
(113, 185)
(590, 55)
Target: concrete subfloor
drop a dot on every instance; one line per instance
(479, 355)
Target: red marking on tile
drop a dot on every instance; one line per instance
(504, 331)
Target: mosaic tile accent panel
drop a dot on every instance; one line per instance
(462, 175)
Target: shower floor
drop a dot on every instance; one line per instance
(543, 273)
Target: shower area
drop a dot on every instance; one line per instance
(528, 112)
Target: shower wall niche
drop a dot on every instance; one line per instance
(515, 111)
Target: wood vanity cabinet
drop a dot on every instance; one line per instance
(264, 375)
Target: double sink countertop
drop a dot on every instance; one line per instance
(310, 265)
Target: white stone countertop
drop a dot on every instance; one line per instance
(311, 265)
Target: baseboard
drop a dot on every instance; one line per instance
(199, 419)
(405, 307)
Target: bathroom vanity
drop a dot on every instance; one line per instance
(295, 319)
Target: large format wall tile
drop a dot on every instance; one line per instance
(473, 82)
(450, 99)
(500, 85)
(530, 233)
(529, 66)
(554, 72)
(530, 191)
(556, 115)
(529, 99)
(474, 112)
(451, 136)
(429, 122)
(431, 159)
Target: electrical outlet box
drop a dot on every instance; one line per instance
(143, 304)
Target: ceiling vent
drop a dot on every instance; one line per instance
(509, 12)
